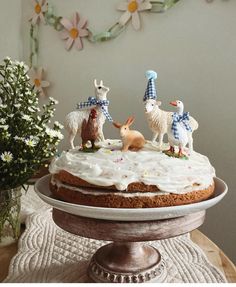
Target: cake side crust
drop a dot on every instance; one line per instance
(112, 200)
(70, 179)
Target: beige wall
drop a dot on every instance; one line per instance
(193, 48)
(10, 29)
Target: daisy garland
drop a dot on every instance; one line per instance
(72, 31)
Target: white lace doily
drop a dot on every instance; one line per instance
(46, 253)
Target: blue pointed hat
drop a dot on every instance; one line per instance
(150, 92)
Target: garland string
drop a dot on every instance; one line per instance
(34, 45)
(113, 32)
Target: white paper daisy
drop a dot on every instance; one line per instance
(40, 7)
(132, 9)
(36, 77)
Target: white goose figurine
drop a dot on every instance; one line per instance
(178, 131)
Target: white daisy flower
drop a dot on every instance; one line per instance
(8, 59)
(4, 127)
(3, 106)
(58, 134)
(26, 117)
(57, 124)
(50, 132)
(38, 128)
(31, 142)
(2, 121)
(31, 110)
(7, 156)
(17, 105)
(53, 100)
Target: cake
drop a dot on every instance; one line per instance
(131, 172)
(146, 178)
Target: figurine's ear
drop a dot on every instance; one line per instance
(129, 121)
(159, 103)
(117, 125)
(101, 83)
(95, 83)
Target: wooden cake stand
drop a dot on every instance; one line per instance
(128, 259)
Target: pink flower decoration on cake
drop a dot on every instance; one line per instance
(74, 31)
(132, 9)
(36, 78)
(40, 7)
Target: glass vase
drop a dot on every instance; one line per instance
(10, 203)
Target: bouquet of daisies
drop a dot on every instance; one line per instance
(26, 140)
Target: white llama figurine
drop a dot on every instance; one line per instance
(73, 120)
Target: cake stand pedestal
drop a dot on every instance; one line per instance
(128, 259)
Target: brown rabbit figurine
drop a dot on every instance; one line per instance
(131, 139)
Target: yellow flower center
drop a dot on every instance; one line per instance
(37, 8)
(37, 82)
(74, 33)
(133, 6)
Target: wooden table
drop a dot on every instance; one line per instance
(213, 253)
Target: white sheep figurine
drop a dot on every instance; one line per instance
(73, 121)
(159, 120)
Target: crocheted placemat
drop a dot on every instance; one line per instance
(47, 253)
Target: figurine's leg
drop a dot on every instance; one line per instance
(181, 154)
(92, 143)
(180, 151)
(154, 137)
(190, 142)
(100, 134)
(171, 150)
(161, 135)
(84, 144)
(71, 140)
(125, 147)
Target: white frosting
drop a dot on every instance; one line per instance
(98, 192)
(109, 166)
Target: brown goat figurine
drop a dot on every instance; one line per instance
(131, 139)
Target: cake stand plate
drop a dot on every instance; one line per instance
(128, 259)
(129, 214)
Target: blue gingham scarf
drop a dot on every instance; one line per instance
(184, 118)
(92, 101)
(150, 92)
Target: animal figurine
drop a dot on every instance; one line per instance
(179, 129)
(73, 121)
(89, 130)
(131, 139)
(159, 120)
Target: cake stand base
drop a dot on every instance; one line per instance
(128, 259)
(130, 262)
